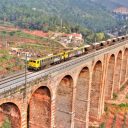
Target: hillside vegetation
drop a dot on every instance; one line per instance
(47, 14)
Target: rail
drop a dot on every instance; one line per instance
(14, 83)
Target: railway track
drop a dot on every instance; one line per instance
(8, 83)
(14, 77)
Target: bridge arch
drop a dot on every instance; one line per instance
(39, 108)
(95, 93)
(109, 77)
(117, 72)
(10, 115)
(81, 99)
(64, 97)
(124, 65)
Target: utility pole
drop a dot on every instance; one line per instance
(25, 70)
(25, 85)
(61, 23)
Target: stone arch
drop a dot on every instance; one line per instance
(39, 109)
(124, 65)
(81, 99)
(117, 72)
(64, 96)
(10, 115)
(96, 90)
(109, 78)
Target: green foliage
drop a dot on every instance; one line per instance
(12, 33)
(124, 124)
(4, 56)
(47, 14)
(106, 108)
(123, 105)
(100, 36)
(122, 88)
(114, 122)
(102, 125)
(115, 96)
(126, 96)
(6, 124)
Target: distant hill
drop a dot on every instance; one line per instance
(86, 13)
(122, 2)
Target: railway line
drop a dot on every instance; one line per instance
(9, 83)
(13, 77)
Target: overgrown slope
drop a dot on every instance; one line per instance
(86, 13)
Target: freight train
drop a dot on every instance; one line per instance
(41, 63)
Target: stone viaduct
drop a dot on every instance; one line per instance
(71, 97)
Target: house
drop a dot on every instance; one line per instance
(74, 35)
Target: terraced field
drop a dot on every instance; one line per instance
(30, 42)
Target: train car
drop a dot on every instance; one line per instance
(113, 41)
(80, 51)
(37, 64)
(103, 43)
(70, 54)
(123, 38)
(76, 52)
(87, 48)
(57, 58)
(33, 64)
(108, 42)
(119, 39)
(41, 63)
(96, 45)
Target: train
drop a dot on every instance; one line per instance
(41, 63)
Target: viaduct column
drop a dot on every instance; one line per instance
(88, 104)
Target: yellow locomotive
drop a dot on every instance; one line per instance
(41, 63)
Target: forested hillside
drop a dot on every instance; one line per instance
(47, 14)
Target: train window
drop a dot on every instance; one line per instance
(37, 62)
(33, 61)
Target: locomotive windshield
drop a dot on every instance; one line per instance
(32, 61)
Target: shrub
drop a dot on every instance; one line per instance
(124, 124)
(123, 105)
(6, 124)
(105, 108)
(102, 125)
(122, 88)
(114, 122)
(126, 96)
(115, 96)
